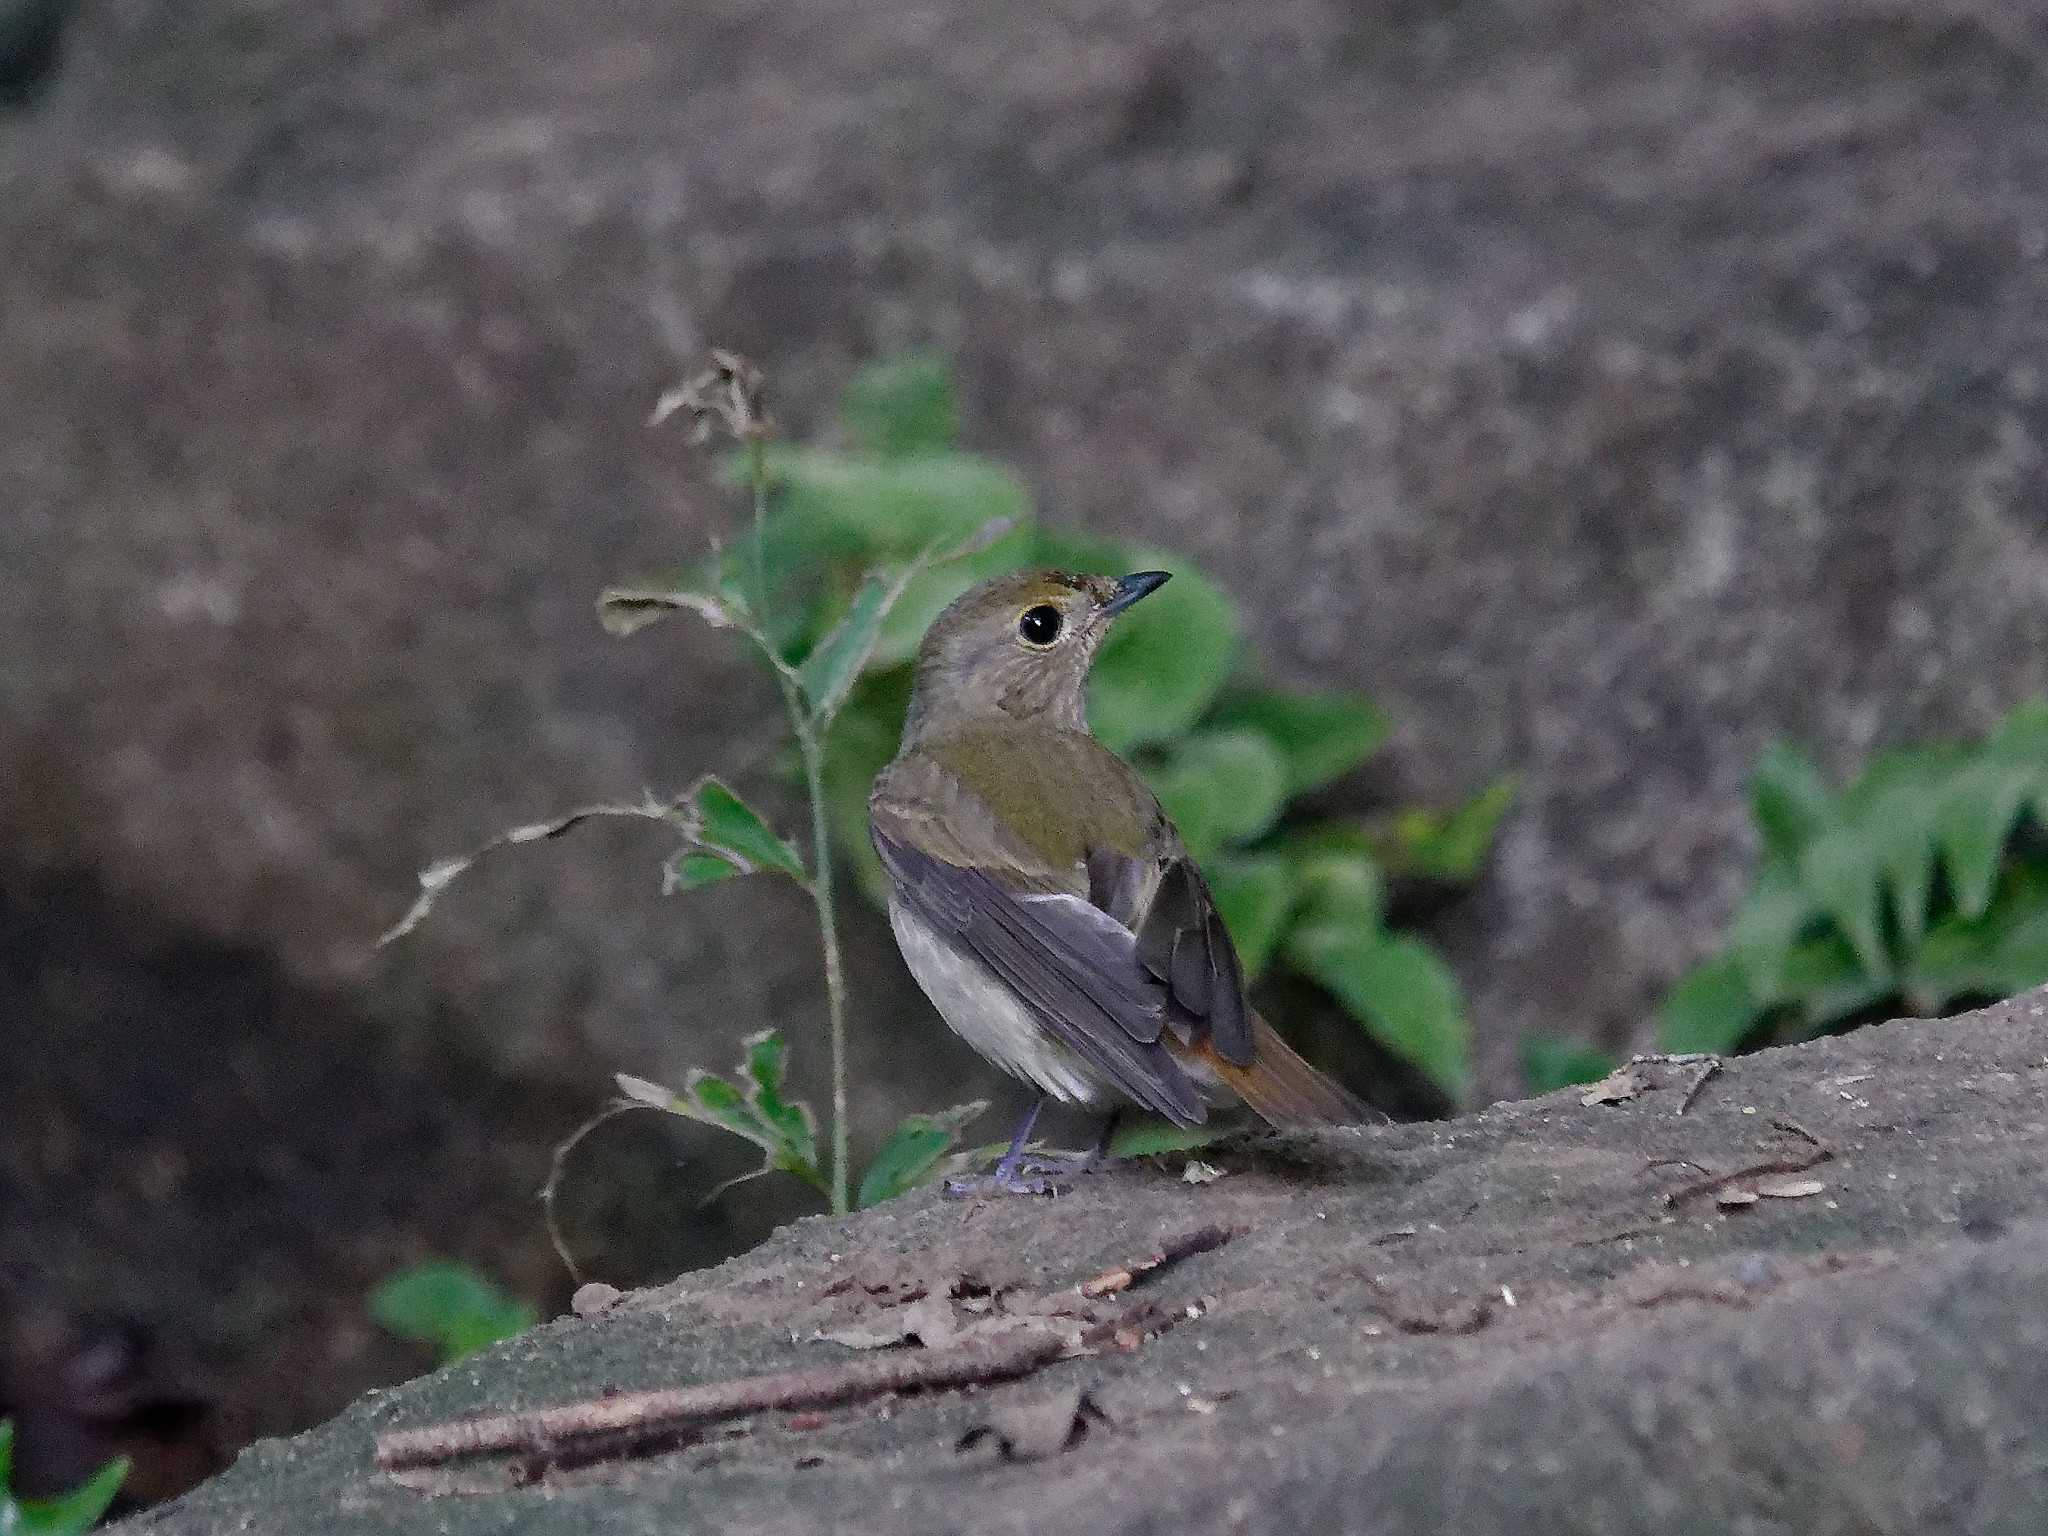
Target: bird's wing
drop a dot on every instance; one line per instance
(951, 859)
(1182, 942)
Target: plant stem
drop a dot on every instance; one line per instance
(757, 476)
(812, 746)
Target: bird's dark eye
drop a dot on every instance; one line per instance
(1040, 625)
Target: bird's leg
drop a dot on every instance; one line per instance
(1019, 1173)
(1050, 1173)
(1010, 1176)
(1098, 1156)
(1006, 1170)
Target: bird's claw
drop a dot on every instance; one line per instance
(999, 1183)
(1027, 1176)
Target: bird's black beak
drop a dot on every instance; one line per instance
(1130, 588)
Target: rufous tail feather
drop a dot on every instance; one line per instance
(1282, 1089)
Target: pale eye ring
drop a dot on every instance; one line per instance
(1040, 625)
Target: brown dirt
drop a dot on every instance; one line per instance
(1534, 1319)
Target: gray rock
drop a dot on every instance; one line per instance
(1609, 392)
(1535, 1319)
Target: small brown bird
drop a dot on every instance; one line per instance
(1040, 895)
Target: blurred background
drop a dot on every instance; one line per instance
(1605, 391)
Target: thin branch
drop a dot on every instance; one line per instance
(600, 1425)
(437, 877)
(1817, 1152)
(558, 1163)
(1172, 1251)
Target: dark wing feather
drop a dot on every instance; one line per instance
(1182, 941)
(1073, 964)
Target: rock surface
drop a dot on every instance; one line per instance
(1609, 391)
(1811, 1297)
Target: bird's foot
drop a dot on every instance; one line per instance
(1030, 1175)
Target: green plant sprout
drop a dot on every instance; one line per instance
(450, 1307)
(1922, 886)
(720, 834)
(67, 1514)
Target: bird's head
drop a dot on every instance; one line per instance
(1018, 647)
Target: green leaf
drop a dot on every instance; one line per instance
(68, 1514)
(1256, 894)
(1398, 988)
(2022, 737)
(449, 1306)
(1840, 868)
(1320, 736)
(901, 406)
(894, 508)
(914, 1153)
(1165, 660)
(2001, 953)
(1771, 919)
(2020, 961)
(688, 868)
(1139, 1135)
(891, 611)
(1827, 979)
(71, 1513)
(725, 824)
(1339, 880)
(1443, 845)
(1220, 787)
(1904, 790)
(782, 1129)
(862, 742)
(786, 584)
(1979, 811)
(1791, 800)
(828, 672)
(1550, 1062)
(931, 590)
(1711, 1009)
(766, 1056)
(1954, 961)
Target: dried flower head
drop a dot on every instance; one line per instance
(730, 396)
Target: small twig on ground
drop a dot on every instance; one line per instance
(1172, 1251)
(1802, 1133)
(637, 1421)
(1817, 1152)
(1708, 1068)
(1625, 1082)
(1460, 1315)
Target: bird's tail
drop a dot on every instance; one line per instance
(1282, 1089)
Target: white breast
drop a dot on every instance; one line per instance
(986, 1014)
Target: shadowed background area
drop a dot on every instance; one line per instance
(1606, 392)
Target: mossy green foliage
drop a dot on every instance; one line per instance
(1229, 756)
(450, 1307)
(66, 1514)
(1920, 887)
